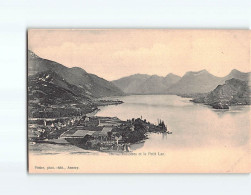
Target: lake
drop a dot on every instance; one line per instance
(193, 125)
(200, 133)
(203, 139)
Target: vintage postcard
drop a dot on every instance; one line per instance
(138, 101)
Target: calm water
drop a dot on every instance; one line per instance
(203, 139)
(193, 125)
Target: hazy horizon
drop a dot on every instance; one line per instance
(113, 54)
(153, 74)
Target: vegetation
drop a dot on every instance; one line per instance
(135, 130)
(233, 92)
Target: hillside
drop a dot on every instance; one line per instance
(49, 95)
(233, 92)
(48, 87)
(91, 85)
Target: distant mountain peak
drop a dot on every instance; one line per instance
(170, 74)
(234, 71)
(237, 75)
(195, 73)
(204, 71)
(155, 76)
(146, 84)
(138, 74)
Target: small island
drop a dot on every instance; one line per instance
(233, 92)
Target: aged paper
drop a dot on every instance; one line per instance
(138, 101)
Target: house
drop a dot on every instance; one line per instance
(100, 135)
(106, 129)
(79, 133)
(103, 134)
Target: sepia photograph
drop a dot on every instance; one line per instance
(125, 97)
(138, 101)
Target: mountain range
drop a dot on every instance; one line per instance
(92, 86)
(191, 83)
(146, 84)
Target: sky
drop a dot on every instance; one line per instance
(115, 53)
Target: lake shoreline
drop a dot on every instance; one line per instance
(179, 114)
(102, 146)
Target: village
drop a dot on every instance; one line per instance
(105, 134)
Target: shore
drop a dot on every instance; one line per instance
(89, 132)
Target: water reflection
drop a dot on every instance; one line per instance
(193, 125)
(164, 136)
